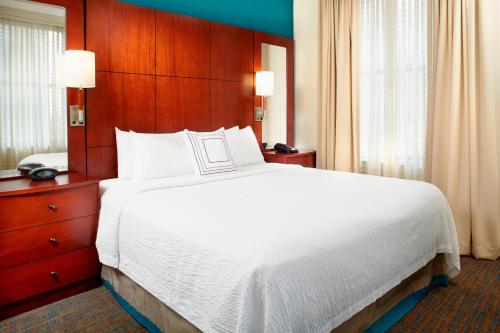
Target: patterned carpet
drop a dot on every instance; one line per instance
(471, 303)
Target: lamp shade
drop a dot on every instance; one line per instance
(75, 69)
(264, 83)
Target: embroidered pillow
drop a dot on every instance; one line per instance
(209, 152)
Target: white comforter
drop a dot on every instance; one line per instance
(273, 248)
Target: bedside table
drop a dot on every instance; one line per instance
(47, 240)
(304, 157)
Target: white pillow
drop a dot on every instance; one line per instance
(125, 154)
(159, 156)
(209, 152)
(244, 147)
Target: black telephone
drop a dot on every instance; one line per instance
(283, 148)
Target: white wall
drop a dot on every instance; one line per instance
(307, 73)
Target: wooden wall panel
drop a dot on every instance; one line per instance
(97, 32)
(182, 103)
(126, 101)
(101, 162)
(192, 47)
(164, 43)
(182, 46)
(231, 104)
(231, 52)
(122, 36)
(162, 72)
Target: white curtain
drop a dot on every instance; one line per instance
(393, 87)
(32, 109)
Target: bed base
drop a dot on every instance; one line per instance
(378, 316)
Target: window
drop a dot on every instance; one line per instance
(393, 87)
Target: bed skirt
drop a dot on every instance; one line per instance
(377, 317)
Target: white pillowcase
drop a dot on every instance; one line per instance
(243, 146)
(209, 152)
(125, 154)
(159, 156)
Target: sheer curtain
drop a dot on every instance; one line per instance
(32, 109)
(393, 87)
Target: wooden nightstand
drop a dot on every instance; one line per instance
(47, 240)
(304, 157)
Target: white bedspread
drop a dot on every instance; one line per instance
(273, 248)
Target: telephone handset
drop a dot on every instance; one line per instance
(283, 148)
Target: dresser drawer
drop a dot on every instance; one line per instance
(34, 209)
(28, 244)
(27, 280)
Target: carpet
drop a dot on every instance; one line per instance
(471, 303)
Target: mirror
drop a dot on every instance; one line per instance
(33, 126)
(274, 124)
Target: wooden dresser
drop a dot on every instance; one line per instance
(47, 240)
(304, 157)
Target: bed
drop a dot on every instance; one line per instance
(53, 160)
(272, 248)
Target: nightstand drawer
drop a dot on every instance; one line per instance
(40, 208)
(306, 158)
(24, 245)
(40, 276)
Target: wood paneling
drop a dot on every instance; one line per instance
(182, 46)
(231, 104)
(97, 32)
(197, 75)
(182, 103)
(101, 162)
(122, 36)
(231, 52)
(126, 101)
(165, 43)
(192, 47)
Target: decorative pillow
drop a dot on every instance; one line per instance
(209, 152)
(160, 155)
(243, 146)
(125, 154)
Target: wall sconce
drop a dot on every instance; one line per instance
(76, 69)
(264, 87)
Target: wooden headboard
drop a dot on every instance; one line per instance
(157, 72)
(162, 72)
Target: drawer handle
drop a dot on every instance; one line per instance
(53, 275)
(53, 241)
(53, 207)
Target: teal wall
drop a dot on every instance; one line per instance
(271, 16)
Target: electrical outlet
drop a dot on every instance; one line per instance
(76, 116)
(259, 114)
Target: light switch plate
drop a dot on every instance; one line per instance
(259, 114)
(76, 116)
